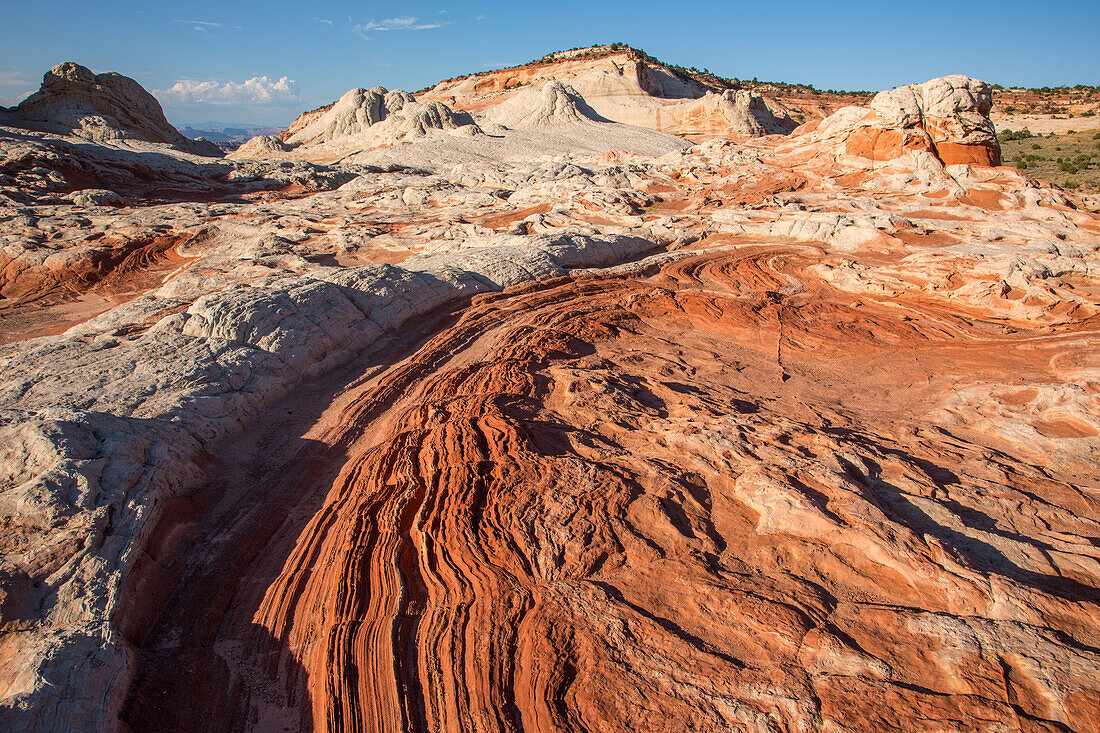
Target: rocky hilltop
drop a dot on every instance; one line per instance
(628, 86)
(493, 408)
(99, 107)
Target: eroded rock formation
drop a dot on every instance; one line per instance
(946, 119)
(751, 435)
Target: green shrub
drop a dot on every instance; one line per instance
(1022, 165)
(1036, 146)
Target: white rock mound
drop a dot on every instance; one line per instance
(555, 104)
(385, 116)
(261, 146)
(747, 113)
(947, 96)
(101, 108)
(353, 113)
(417, 120)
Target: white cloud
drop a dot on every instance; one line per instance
(14, 79)
(326, 21)
(400, 23)
(10, 100)
(257, 90)
(206, 23)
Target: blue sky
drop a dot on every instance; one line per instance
(263, 62)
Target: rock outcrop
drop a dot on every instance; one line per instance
(100, 107)
(360, 111)
(946, 119)
(952, 112)
(354, 113)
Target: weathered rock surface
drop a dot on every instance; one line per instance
(100, 108)
(758, 435)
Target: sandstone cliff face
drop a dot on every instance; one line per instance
(759, 435)
(100, 107)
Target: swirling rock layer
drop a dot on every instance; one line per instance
(700, 497)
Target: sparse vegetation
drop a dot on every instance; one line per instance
(684, 73)
(1070, 160)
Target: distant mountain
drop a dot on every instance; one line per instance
(227, 135)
